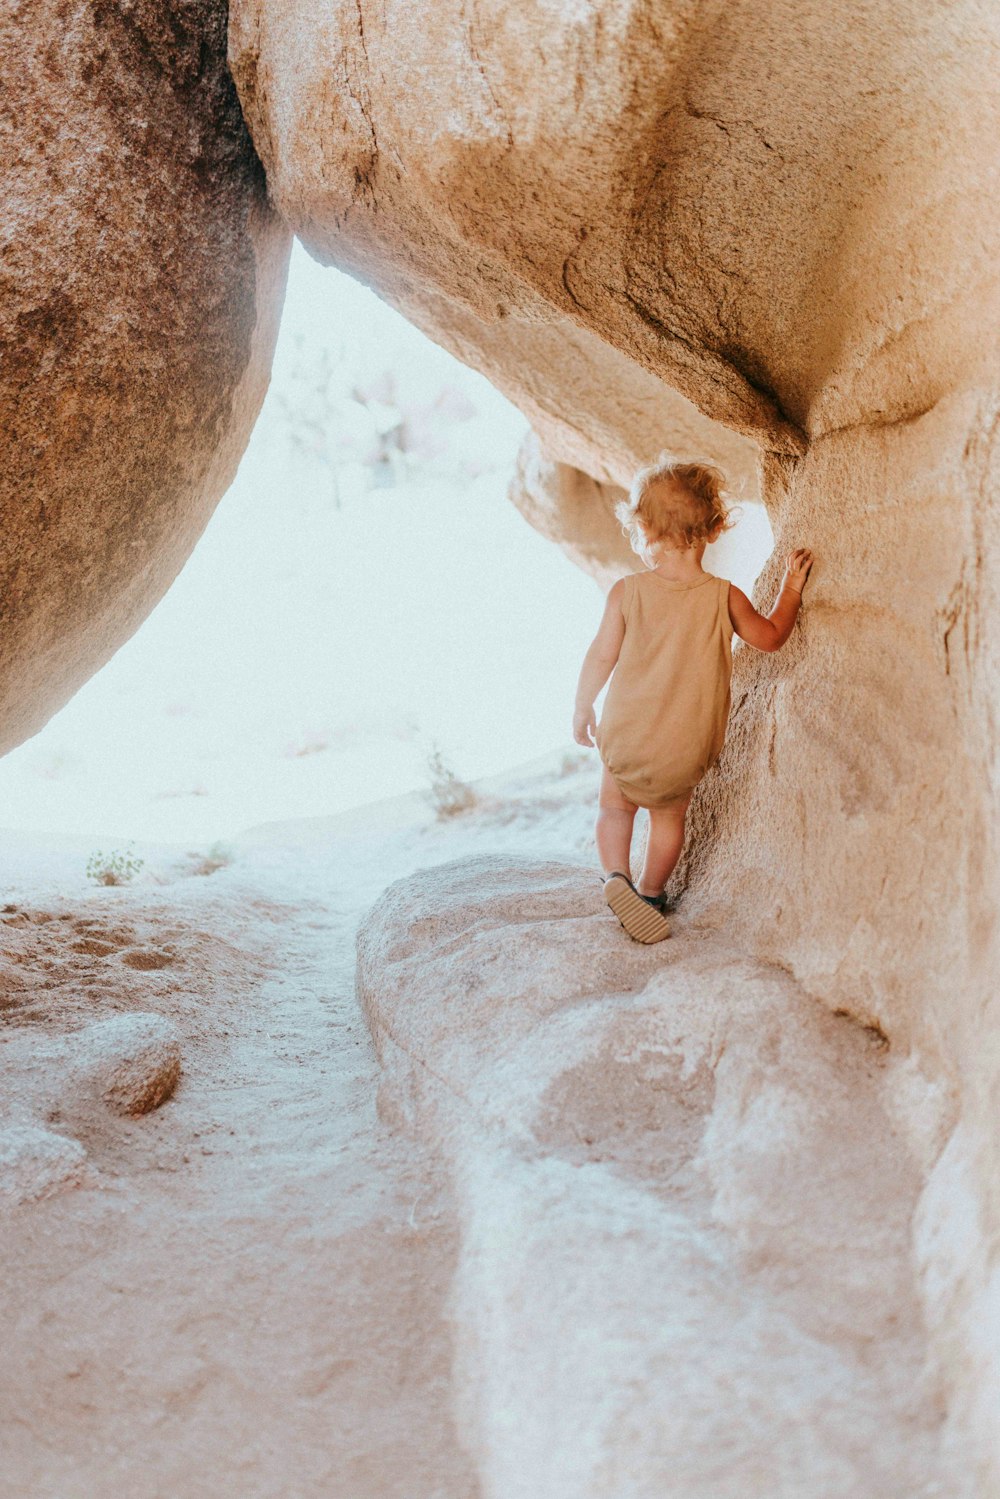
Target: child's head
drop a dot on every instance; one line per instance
(674, 506)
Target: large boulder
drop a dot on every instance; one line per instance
(789, 215)
(686, 1191)
(143, 272)
(778, 211)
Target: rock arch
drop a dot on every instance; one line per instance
(786, 215)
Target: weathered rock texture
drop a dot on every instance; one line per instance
(787, 214)
(777, 210)
(142, 274)
(686, 1190)
(131, 1062)
(35, 1162)
(493, 199)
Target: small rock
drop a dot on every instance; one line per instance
(34, 1163)
(134, 1061)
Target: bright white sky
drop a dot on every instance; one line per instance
(327, 633)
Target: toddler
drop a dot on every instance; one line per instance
(666, 634)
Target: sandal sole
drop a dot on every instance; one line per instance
(636, 915)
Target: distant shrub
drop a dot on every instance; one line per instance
(573, 761)
(218, 857)
(114, 868)
(448, 794)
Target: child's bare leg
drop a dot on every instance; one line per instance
(613, 831)
(663, 846)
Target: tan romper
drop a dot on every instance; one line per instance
(663, 723)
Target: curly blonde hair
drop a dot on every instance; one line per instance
(678, 503)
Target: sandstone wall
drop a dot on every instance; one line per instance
(851, 833)
(142, 273)
(787, 214)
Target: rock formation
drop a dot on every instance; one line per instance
(143, 272)
(786, 215)
(686, 1193)
(712, 199)
(762, 233)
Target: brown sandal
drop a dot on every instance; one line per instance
(640, 915)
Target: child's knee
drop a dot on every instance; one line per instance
(611, 798)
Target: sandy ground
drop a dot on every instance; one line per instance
(273, 1287)
(226, 1302)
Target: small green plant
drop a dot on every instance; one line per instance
(448, 794)
(114, 868)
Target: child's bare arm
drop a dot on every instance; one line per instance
(769, 632)
(598, 664)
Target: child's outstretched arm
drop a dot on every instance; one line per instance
(598, 664)
(769, 632)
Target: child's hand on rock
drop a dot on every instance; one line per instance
(797, 565)
(585, 726)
